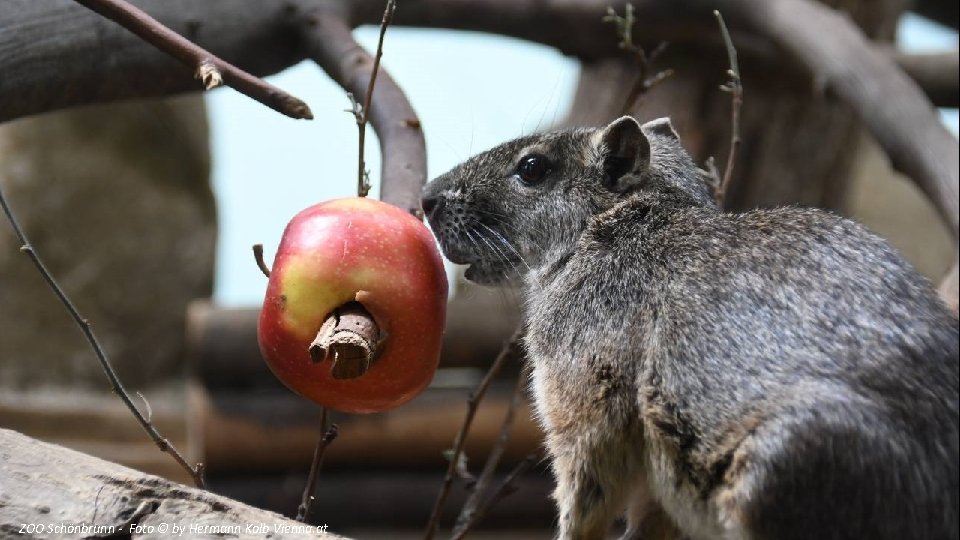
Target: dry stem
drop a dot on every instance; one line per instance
(361, 113)
(644, 80)
(470, 513)
(472, 402)
(212, 71)
(327, 436)
(258, 256)
(735, 88)
(196, 472)
(503, 489)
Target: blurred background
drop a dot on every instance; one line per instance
(146, 211)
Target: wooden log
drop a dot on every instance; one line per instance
(377, 503)
(266, 432)
(53, 492)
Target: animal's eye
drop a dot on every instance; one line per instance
(533, 168)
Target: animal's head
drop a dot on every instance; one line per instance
(510, 209)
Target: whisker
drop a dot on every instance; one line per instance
(503, 257)
(506, 243)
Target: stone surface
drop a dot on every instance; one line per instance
(117, 201)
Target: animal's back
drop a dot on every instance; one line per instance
(787, 355)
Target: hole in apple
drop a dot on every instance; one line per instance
(350, 338)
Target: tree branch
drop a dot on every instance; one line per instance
(735, 88)
(938, 74)
(327, 436)
(211, 70)
(470, 514)
(330, 43)
(473, 402)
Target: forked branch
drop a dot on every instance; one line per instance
(508, 351)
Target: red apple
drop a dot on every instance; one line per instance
(366, 251)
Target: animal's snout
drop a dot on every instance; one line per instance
(431, 204)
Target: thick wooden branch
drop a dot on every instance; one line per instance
(62, 493)
(938, 74)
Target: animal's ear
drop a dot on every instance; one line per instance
(625, 149)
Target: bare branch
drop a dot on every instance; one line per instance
(644, 80)
(404, 166)
(327, 436)
(196, 472)
(207, 67)
(735, 88)
(469, 514)
(503, 489)
(363, 113)
(508, 351)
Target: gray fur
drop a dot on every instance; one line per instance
(773, 374)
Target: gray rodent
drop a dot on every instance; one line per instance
(771, 374)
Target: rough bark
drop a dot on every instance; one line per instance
(47, 489)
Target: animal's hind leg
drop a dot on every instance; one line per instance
(822, 474)
(587, 503)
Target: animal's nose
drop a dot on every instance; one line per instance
(431, 203)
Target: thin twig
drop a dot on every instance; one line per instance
(211, 70)
(362, 112)
(258, 256)
(147, 405)
(644, 80)
(327, 436)
(196, 472)
(469, 511)
(735, 88)
(503, 489)
(472, 402)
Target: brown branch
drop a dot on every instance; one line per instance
(196, 472)
(508, 351)
(469, 513)
(644, 81)
(735, 88)
(363, 113)
(503, 489)
(210, 69)
(938, 74)
(327, 436)
(330, 43)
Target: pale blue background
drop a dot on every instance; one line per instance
(470, 90)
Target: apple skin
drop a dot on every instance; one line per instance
(372, 252)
